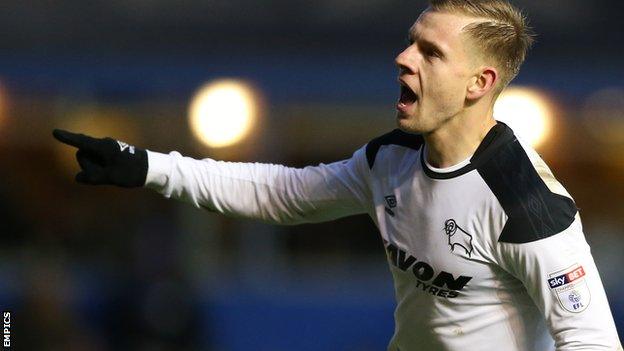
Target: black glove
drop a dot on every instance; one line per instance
(106, 161)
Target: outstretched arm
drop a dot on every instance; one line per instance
(271, 193)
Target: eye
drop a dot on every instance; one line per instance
(431, 53)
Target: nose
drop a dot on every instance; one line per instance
(405, 61)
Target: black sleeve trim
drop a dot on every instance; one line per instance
(534, 211)
(395, 137)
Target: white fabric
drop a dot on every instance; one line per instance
(448, 169)
(507, 303)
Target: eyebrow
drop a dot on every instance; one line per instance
(411, 38)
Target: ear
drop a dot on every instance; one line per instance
(483, 82)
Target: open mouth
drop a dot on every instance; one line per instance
(408, 96)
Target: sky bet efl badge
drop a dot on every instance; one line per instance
(571, 289)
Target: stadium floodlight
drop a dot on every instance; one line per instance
(223, 112)
(527, 111)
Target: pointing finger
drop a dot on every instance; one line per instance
(80, 141)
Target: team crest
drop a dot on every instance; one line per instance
(571, 288)
(457, 237)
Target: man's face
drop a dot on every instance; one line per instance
(434, 72)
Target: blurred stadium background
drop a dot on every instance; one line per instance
(86, 268)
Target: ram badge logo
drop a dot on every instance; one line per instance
(457, 237)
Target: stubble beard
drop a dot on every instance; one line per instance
(414, 123)
(417, 124)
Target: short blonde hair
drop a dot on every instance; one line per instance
(503, 35)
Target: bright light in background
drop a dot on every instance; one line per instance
(527, 112)
(222, 113)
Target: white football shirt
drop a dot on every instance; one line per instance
(486, 255)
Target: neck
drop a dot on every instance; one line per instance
(457, 138)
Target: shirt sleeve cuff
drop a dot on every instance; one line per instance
(158, 169)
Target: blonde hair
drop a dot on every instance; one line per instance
(503, 34)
